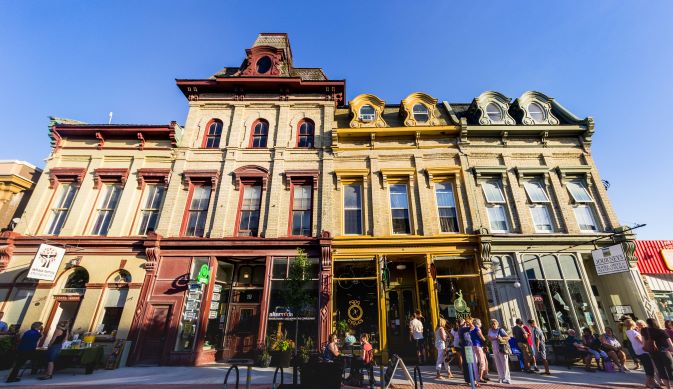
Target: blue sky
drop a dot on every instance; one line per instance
(612, 60)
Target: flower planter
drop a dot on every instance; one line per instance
(281, 358)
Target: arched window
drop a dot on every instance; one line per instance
(264, 64)
(367, 113)
(77, 279)
(536, 112)
(213, 134)
(494, 112)
(421, 114)
(260, 132)
(305, 133)
(113, 304)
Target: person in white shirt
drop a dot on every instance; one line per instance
(633, 333)
(456, 340)
(416, 335)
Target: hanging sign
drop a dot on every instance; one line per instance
(46, 262)
(462, 310)
(204, 274)
(610, 260)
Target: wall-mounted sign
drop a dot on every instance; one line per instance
(355, 313)
(216, 297)
(212, 315)
(214, 305)
(217, 288)
(204, 274)
(610, 260)
(462, 310)
(46, 262)
(667, 254)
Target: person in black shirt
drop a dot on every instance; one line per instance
(662, 355)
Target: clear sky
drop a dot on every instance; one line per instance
(612, 60)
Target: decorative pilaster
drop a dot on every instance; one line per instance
(6, 249)
(324, 322)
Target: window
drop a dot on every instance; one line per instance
(367, 113)
(213, 133)
(250, 205)
(582, 207)
(264, 65)
(353, 209)
(260, 133)
(536, 112)
(421, 114)
(59, 211)
(113, 308)
(494, 112)
(301, 210)
(539, 205)
(495, 206)
(503, 266)
(106, 209)
(446, 206)
(305, 134)
(198, 210)
(399, 207)
(151, 208)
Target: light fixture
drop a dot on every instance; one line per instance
(401, 266)
(73, 262)
(517, 284)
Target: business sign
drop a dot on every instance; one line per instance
(46, 262)
(610, 260)
(667, 254)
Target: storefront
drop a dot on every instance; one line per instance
(655, 262)
(206, 308)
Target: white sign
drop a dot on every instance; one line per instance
(469, 355)
(610, 260)
(46, 262)
(212, 315)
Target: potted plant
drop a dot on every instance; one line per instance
(263, 355)
(306, 349)
(342, 328)
(281, 350)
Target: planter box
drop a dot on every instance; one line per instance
(281, 358)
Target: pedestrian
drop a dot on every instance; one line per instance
(668, 327)
(368, 357)
(478, 343)
(465, 344)
(614, 349)
(573, 343)
(539, 346)
(3, 326)
(54, 349)
(659, 345)
(25, 350)
(440, 345)
(501, 351)
(416, 335)
(455, 339)
(533, 359)
(594, 347)
(636, 340)
(521, 337)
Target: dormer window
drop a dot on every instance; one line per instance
(367, 113)
(264, 65)
(494, 112)
(536, 112)
(421, 114)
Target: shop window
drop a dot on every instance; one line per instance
(213, 134)
(569, 268)
(665, 303)
(539, 205)
(189, 320)
(503, 266)
(305, 133)
(258, 275)
(260, 133)
(496, 206)
(198, 210)
(225, 272)
(531, 267)
(451, 266)
(446, 206)
(355, 285)
(352, 209)
(583, 205)
(249, 211)
(151, 208)
(301, 209)
(61, 206)
(399, 207)
(279, 268)
(21, 297)
(550, 267)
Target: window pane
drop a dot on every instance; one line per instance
(353, 221)
(352, 195)
(585, 218)
(398, 196)
(401, 221)
(492, 191)
(578, 191)
(536, 112)
(536, 192)
(497, 217)
(551, 269)
(445, 197)
(302, 197)
(569, 267)
(541, 218)
(279, 268)
(580, 302)
(421, 114)
(531, 267)
(367, 113)
(493, 112)
(507, 266)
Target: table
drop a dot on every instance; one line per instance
(88, 358)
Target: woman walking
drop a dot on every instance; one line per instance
(659, 345)
(478, 343)
(54, 349)
(636, 340)
(500, 341)
(440, 345)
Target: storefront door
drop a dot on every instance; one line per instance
(242, 331)
(154, 334)
(401, 304)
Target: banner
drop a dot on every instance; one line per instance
(46, 262)
(610, 260)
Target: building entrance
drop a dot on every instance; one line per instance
(401, 305)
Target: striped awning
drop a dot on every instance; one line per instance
(655, 256)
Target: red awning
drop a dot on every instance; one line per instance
(650, 260)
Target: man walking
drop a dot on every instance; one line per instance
(539, 347)
(416, 335)
(521, 337)
(25, 350)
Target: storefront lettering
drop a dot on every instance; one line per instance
(610, 260)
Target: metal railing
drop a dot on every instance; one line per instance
(275, 373)
(226, 377)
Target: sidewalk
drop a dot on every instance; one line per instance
(180, 377)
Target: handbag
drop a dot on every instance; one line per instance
(503, 344)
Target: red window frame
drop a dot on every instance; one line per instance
(300, 182)
(309, 136)
(251, 144)
(215, 137)
(245, 184)
(185, 215)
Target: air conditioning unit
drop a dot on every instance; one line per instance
(367, 117)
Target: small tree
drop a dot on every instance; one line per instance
(296, 292)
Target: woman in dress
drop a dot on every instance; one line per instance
(497, 335)
(659, 345)
(54, 349)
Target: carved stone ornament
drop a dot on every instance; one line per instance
(530, 97)
(152, 251)
(407, 107)
(109, 175)
(367, 99)
(275, 55)
(479, 104)
(58, 175)
(153, 175)
(250, 172)
(201, 176)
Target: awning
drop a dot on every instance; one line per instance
(654, 256)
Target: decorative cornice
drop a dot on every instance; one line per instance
(523, 171)
(408, 173)
(201, 176)
(154, 175)
(250, 172)
(6, 249)
(109, 175)
(521, 105)
(407, 105)
(578, 170)
(435, 174)
(66, 174)
(291, 175)
(367, 99)
(480, 171)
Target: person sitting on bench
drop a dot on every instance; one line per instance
(577, 347)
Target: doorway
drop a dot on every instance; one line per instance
(401, 304)
(154, 334)
(64, 310)
(241, 336)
